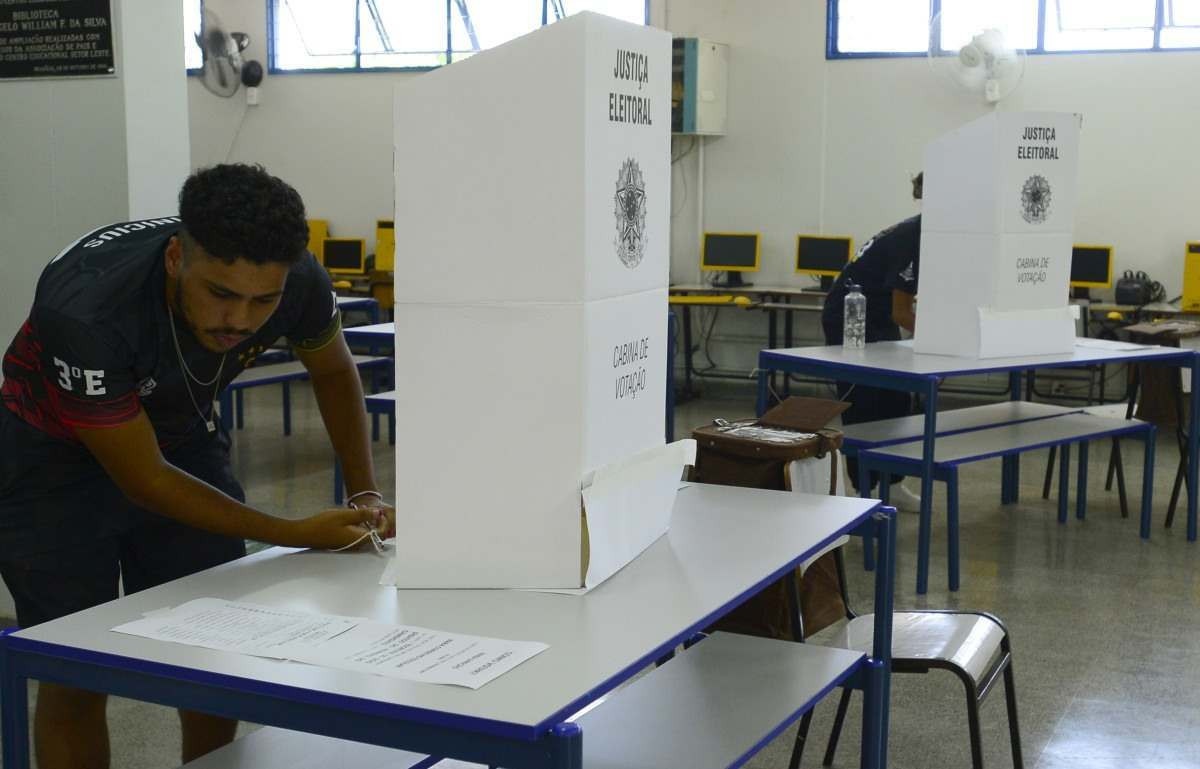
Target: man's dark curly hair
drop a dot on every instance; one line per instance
(238, 211)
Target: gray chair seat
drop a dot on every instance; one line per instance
(969, 642)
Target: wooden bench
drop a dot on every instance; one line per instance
(282, 374)
(711, 707)
(962, 448)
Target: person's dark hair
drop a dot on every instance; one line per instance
(918, 183)
(238, 211)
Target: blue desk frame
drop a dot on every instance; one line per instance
(925, 384)
(552, 744)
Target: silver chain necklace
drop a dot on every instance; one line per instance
(209, 423)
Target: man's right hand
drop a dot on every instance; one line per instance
(333, 528)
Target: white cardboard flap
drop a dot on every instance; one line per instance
(1026, 332)
(629, 505)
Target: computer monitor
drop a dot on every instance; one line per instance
(344, 256)
(318, 230)
(385, 245)
(732, 253)
(1091, 267)
(823, 255)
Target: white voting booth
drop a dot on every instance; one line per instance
(532, 224)
(996, 234)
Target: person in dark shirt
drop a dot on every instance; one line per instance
(886, 268)
(112, 461)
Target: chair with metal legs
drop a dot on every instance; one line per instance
(972, 645)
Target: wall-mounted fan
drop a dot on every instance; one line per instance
(987, 65)
(223, 69)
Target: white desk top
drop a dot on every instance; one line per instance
(724, 542)
(353, 301)
(375, 329)
(813, 291)
(897, 359)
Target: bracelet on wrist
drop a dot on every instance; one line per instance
(350, 499)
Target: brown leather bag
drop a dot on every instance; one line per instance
(723, 457)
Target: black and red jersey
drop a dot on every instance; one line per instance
(97, 347)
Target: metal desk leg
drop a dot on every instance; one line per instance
(287, 408)
(877, 691)
(226, 399)
(1081, 482)
(788, 316)
(926, 523)
(764, 378)
(688, 369)
(1193, 448)
(566, 746)
(1011, 465)
(14, 727)
(952, 554)
(1064, 484)
(1148, 481)
(864, 490)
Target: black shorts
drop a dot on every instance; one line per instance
(67, 533)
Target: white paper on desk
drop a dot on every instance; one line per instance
(1109, 344)
(420, 654)
(344, 643)
(262, 631)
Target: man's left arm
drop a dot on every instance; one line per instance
(336, 383)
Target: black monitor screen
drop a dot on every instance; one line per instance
(343, 254)
(1089, 264)
(730, 251)
(828, 255)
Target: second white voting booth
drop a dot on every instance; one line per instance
(996, 234)
(532, 225)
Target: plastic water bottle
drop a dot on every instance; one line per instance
(854, 326)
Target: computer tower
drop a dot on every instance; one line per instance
(1191, 277)
(385, 245)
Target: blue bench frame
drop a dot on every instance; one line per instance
(881, 460)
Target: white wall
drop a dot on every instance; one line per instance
(328, 135)
(813, 145)
(829, 146)
(82, 152)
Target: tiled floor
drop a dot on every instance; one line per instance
(1103, 624)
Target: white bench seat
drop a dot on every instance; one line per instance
(710, 707)
(958, 449)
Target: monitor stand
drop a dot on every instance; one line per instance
(733, 280)
(1080, 293)
(827, 283)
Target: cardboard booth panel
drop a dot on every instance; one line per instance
(1012, 172)
(961, 174)
(956, 276)
(540, 168)
(489, 457)
(1033, 272)
(1040, 171)
(505, 409)
(627, 160)
(626, 377)
(1026, 332)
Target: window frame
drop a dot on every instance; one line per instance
(449, 52)
(935, 7)
(196, 71)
